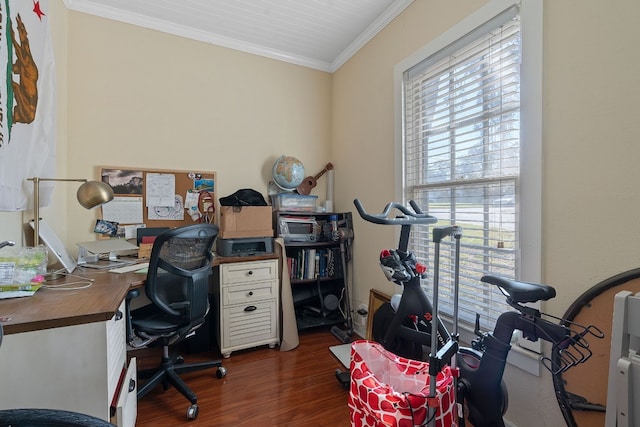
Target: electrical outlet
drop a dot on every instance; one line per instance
(361, 315)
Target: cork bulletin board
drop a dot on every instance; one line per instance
(159, 197)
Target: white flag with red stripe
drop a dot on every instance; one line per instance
(27, 102)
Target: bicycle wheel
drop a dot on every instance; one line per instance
(469, 361)
(582, 390)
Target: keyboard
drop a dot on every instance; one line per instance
(128, 268)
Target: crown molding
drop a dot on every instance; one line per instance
(89, 7)
(365, 37)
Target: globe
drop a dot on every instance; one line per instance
(288, 173)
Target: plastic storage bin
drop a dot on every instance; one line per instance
(294, 202)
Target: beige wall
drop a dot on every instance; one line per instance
(590, 152)
(143, 98)
(134, 97)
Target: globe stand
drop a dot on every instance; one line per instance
(273, 189)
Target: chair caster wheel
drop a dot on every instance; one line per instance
(192, 412)
(221, 372)
(179, 360)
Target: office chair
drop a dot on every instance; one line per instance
(178, 287)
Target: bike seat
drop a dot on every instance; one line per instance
(521, 292)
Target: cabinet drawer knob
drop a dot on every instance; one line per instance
(132, 385)
(250, 308)
(250, 293)
(250, 272)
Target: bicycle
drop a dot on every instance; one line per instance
(413, 325)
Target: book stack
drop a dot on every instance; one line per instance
(312, 263)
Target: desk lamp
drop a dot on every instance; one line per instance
(91, 194)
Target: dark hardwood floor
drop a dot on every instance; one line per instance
(263, 387)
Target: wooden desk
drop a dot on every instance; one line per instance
(66, 349)
(54, 308)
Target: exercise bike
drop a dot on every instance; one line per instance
(410, 326)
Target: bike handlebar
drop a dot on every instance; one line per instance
(407, 218)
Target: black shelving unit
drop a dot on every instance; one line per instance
(317, 266)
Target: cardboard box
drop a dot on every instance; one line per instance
(237, 222)
(144, 250)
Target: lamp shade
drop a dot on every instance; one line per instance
(92, 194)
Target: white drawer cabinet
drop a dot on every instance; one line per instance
(247, 304)
(76, 368)
(126, 409)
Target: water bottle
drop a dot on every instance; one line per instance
(335, 234)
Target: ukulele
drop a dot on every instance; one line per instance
(310, 182)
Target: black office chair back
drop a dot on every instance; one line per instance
(179, 270)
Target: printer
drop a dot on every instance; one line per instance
(247, 246)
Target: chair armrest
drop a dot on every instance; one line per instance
(133, 293)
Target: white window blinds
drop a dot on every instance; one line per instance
(461, 145)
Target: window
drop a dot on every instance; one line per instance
(464, 148)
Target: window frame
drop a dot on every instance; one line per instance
(530, 193)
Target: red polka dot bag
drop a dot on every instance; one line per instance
(389, 390)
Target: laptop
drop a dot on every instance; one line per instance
(51, 239)
(90, 254)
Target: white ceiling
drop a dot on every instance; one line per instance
(320, 34)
